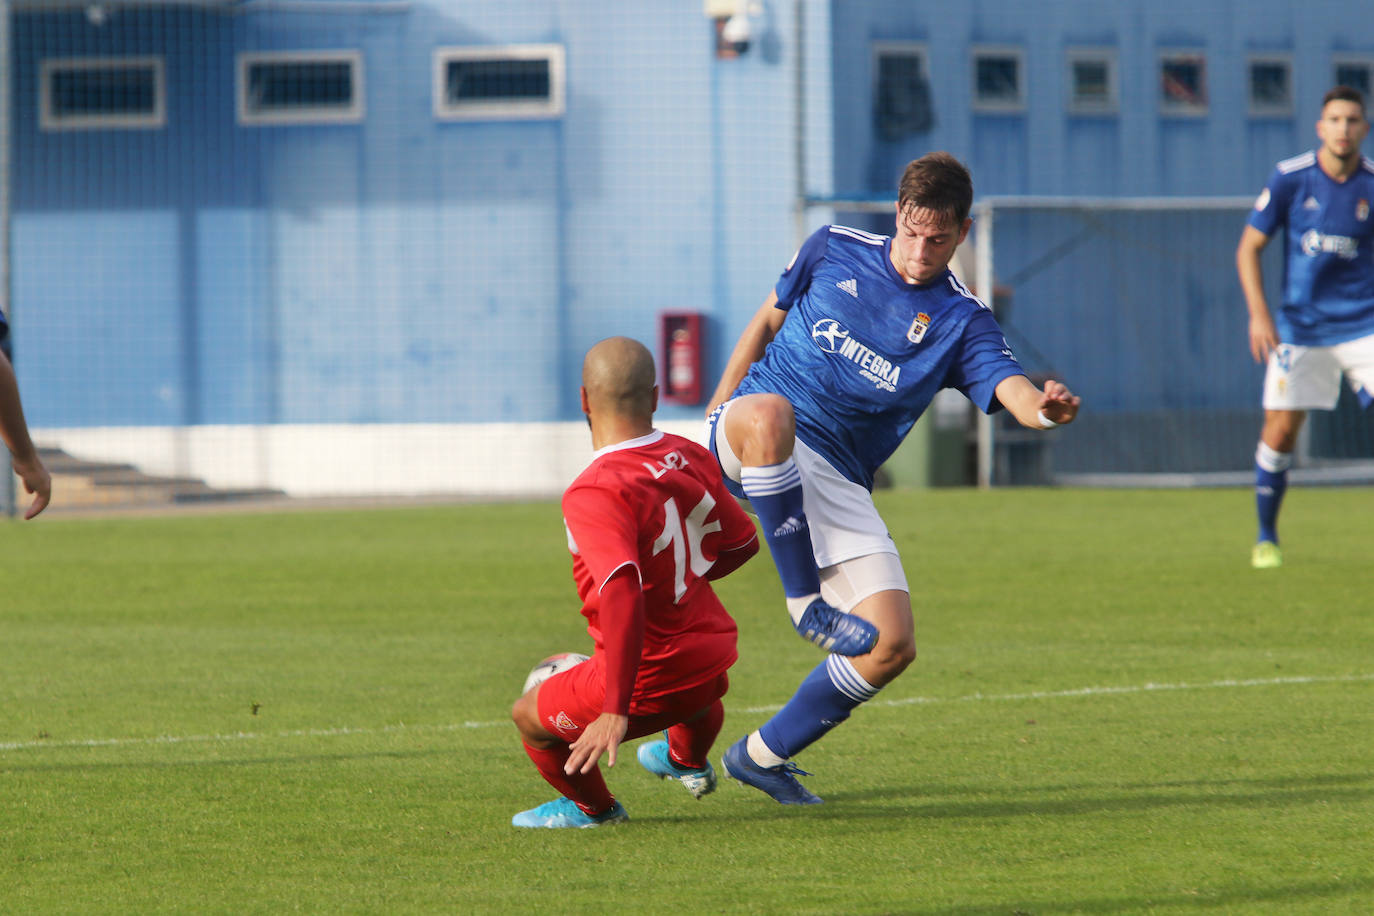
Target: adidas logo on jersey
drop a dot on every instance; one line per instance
(791, 526)
(850, 286)
(1311, 204)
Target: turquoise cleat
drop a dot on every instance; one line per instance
(563, 812)
(654, 757)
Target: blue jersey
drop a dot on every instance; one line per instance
(862, 352)
(1328, 244)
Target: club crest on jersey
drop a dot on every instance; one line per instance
(917, 332)
(1362, 210)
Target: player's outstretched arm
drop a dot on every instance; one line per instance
(1028, 404)
(748, 349)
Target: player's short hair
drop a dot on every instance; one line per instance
(939, 182)
(1344, 94)
(619, 375)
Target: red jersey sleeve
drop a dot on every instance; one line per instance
(603, 531)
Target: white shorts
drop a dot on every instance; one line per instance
(1309, 378)
(853, 548)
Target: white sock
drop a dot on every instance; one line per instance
(1274, 462)
(797, 606)
(760, 754)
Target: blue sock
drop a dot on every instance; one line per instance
(775, 492)
(1271, 480)
(825, 699)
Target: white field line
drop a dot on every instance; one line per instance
(907, 701)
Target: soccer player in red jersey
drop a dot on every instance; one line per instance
(649, 524)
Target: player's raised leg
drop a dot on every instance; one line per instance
(761, 430)
(826, 697)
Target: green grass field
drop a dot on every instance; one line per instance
(1112, 713)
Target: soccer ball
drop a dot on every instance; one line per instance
(551, 666)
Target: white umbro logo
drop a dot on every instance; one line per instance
(850, 286)
(1311, 204)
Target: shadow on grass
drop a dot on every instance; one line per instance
(1269, 899)
(933, 802)
(1083, 799)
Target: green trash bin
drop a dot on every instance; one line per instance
(939, 450)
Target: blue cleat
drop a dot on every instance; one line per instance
(836, 631)
(779, 782)
(655, 759)
(563, 812)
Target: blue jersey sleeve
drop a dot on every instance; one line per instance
(983, 361)
(1271, 207)
(797, 277)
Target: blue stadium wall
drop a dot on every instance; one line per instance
(1046, 150)
(410, 270)
(403, 269)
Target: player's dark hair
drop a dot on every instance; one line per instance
(1345, 94)
(939, 182)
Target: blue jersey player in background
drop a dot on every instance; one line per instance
(1325, 326)
(855, 340)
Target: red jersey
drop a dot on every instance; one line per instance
(657, 504)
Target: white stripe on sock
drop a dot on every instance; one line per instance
(1273, 461)
(770, 480)
(848, 681)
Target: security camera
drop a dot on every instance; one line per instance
(738, 31)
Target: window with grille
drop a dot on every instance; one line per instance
(302, 87)
(1092, 81)
(1355, 72)
(498, 83)
(902, 102)
(1270, 81)
(102, 93)
(1182, 83)
(998, 80)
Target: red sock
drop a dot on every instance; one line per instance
(689, 743)
(587, 790)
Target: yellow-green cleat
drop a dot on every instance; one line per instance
(1266, 555)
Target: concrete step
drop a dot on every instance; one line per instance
(80, 483)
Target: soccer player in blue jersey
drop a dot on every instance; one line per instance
(14, 432)
(1325, 325)
(858, 335)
